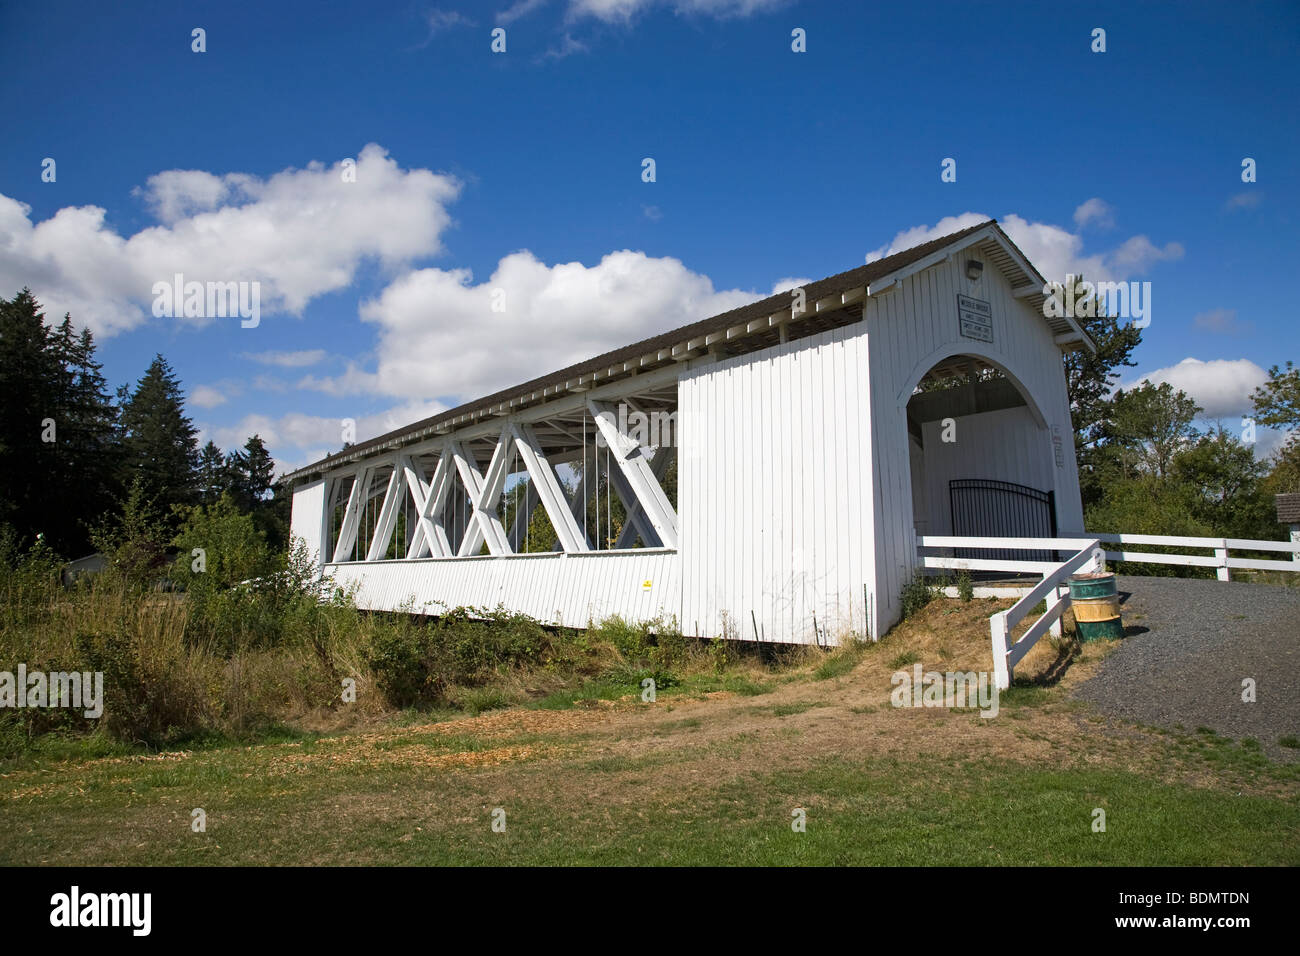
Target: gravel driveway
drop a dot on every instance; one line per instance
(1202, 639)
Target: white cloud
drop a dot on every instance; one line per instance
(205, 396)
(1222, 387)
(622, 11)
(299, 440)
(440, 337)
(785, 285)
(1096, 211)
(439, 20)
(567, 46)
(1138, 254)
(1055, 251)
(1221, 320)
(300, 234)
(1247, 200)
(176, 194)
(299, 359)
(521, 8)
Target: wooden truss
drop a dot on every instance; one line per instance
(452, 502)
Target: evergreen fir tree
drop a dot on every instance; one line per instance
(159, 443)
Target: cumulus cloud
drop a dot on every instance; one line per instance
(205, 396)
(1222, 387)
(785, 285)
(298, 359)
(1095, 211)
(300, 440)
(176, 194)
(300, 233)
(440, 336)
(1054, 250)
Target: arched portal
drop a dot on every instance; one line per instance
(980, 453)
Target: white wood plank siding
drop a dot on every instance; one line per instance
(572, 590)
(773, 491)
(308, 517)
(911, 329)
(1006, 445)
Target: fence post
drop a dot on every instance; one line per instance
(998, 631)
(1221, 554)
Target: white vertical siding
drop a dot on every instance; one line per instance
(910, 330)
(307, 516)
(572, 590)
(1006, 445)
(774, 471)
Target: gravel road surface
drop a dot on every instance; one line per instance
(1195, 642)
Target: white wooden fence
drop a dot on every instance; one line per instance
(1087, 554)
(1221, 560)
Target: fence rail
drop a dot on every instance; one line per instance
(1087, 554)
(1222, 561)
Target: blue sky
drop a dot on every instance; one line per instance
(520, 173)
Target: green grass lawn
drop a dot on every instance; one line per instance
(307, 801)
(709, 774)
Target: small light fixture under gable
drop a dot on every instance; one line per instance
(974, 268)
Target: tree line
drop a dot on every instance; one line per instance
(1149, 465)
(77, 459)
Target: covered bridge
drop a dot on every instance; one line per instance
(761, 474)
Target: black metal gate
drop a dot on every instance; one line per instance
(985, 508)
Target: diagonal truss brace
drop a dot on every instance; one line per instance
(637, 523)
(430, 499)
(357, 498)
(638, 474)
(541, 476)
(387, 519)
(484, 492)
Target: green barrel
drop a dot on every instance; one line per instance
(1092, 586)
(1094, 599)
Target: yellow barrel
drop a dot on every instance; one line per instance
(1096, 609)
(1097, 618)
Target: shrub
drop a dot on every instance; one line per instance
(965, 588)
(151, 695)
(416, 663)
(917, 593)
(658, 643)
